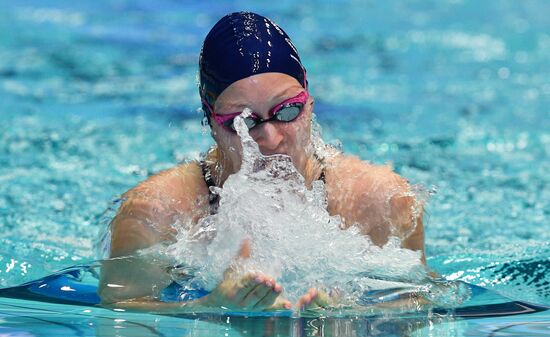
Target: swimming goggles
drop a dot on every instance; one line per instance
(286, 111)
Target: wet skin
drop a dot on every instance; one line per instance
(254, 291)
(373, 198)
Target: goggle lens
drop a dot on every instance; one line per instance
(249, 121)
(287, 113)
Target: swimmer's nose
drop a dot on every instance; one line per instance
(269, 137)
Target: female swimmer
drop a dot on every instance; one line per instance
(247, 61)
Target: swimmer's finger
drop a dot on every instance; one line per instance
(269, 299)
(306, 299)
(246, 285)
(280, 304)
(303, 302)
(256, 294)
(323, 300)
(313, 299)
(245, 249)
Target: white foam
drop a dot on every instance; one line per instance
(294, 239)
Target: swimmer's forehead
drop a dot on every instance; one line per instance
(271, 88)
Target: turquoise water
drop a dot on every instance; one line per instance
(95, 97)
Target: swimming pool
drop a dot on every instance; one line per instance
(96, 97)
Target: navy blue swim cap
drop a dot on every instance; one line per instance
(243, 44)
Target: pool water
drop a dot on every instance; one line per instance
(64, 303)
(97, 96)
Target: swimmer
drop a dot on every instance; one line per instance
(247, 61)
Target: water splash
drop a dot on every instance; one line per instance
(294, 239)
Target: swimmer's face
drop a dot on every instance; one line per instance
(261, 93)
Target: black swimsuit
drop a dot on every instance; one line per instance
(213, 198)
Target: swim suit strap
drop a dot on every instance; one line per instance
(322, 176)
(213, 198)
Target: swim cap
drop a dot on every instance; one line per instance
(240, 45)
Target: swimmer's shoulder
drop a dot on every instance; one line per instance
(181, 186)
(361, 192)
(149, 210)
(357, 176)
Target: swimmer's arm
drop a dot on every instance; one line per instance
(127, 275)
(380, 217)
(406, 216)
(128, 280)
(149, 304)
(252, 291)
(146, 219)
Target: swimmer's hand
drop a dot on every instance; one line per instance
(254, 291)
(314, 299)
